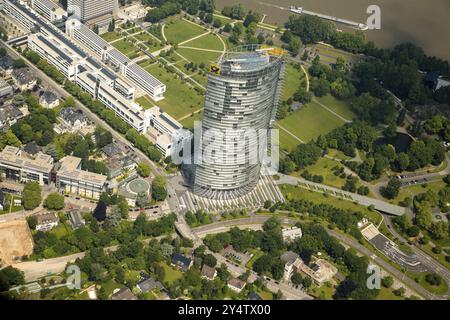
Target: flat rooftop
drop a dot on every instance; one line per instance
(13, 156)
(69, 168)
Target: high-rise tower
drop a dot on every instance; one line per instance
(93, 12)
(242, 98)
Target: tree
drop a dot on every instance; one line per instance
(210, 260)
(100, 211)
(31, 195)
(32, 222)
(392, 189)
(439, 230)
(54, 201)
(143, 169)
(423, 218)
(296, 278)
(112, 26)
(19, 63)
(142, 199)
(387, 281)
(159, 191)
(9, 277)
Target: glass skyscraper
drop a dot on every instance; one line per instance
(241, 102)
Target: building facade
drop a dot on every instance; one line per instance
(93, 12)
(242, 98)
(14, 165)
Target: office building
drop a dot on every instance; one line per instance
(242, 98)
(15, 165)
(72, 180)
(49, 10)
(93, 12)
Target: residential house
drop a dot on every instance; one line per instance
(112, 150)
(49, 100)
(76, 219)
(254, 296)
(10, 114)
(123, 294)
(24, 79)
(208, 272)
(46, 221)
(150, 284)
(6, 65)
(118, 164)
(236, 284)
(5, 88)
(181, 262)
(73, 118)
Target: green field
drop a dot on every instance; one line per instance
(292, 81)
(124, 46)
(180, 30)
(417, 189)
(323, 167)
(287, 142)
(198, 56)
(179, 99)
(441, 289)
(111, 36)
(209, 41)
(188, 123)
(310, 121)
(341, 107)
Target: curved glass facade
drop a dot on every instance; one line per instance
(241, 102)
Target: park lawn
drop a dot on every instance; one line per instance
(265, 294)
(188, 123)
(338, 154)
(341, 107)
(287, 142)
(388, 294)
(208, 41)
(124, 46)
(412, 191)
(298, 193)
(179, 30)
(323, 167)
(420, 278)
(111, 36)
(171, 274)
(311, 121)
(292, 81)
(180, 99)
(198, 56)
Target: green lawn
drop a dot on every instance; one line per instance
(124, 46)
(292, 81)
(417, 189)
(256, 254)
(325, 292)
(287, 142)
(337, 154)
(209, 41)
(341, 107)
(188, 123)
(171, 274)
(61, 230)
(180, 99)
(323, 167)
(388, 294)
(111, 36)
(145, 102)
(310, 121)
(180, 30)
(298, 193)
(198, 57)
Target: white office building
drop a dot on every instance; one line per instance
(93, 12)
(48, 9)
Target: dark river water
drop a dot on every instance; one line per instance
(423, 22)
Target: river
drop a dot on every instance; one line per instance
(422, 22)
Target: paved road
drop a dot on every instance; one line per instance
(343, 238)
(424, 258)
